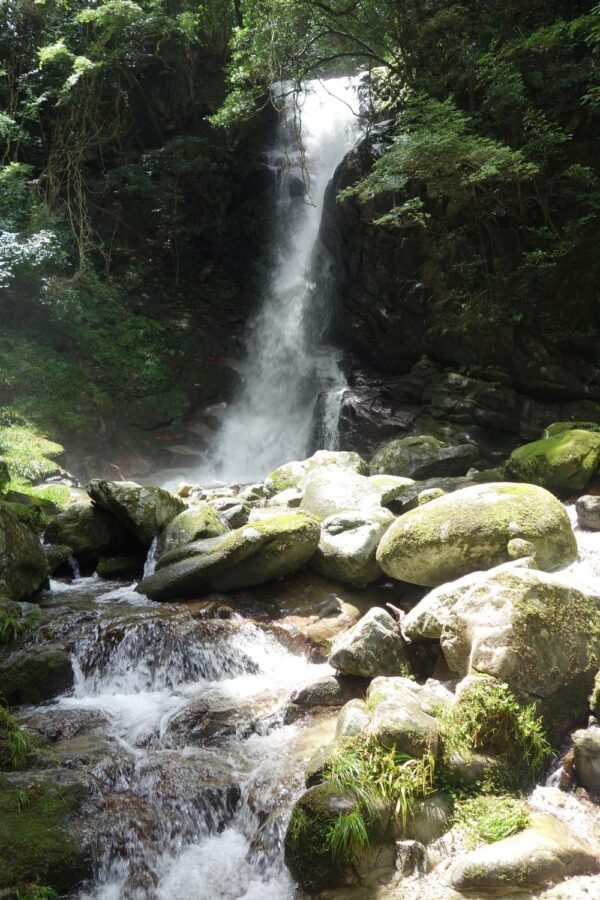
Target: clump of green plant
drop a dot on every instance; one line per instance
(14, 744)
(14, 625)
(29, 454)
(385, 784)
(487, 818)
(489, 719)
(36, 892)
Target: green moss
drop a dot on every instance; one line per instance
(30, 455)
(489, 475)
(56, 494)
(36, 843)
(595, 696)
(282, 479)
(31, 516)
(560, 428)
(564, 462)
(35, 676)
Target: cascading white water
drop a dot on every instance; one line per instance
(287, 369)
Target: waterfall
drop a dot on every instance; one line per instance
(287, 367)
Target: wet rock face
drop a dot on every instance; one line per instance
(32, 676)
(90, 531)
(588, 512)
(371, 647)
(586, 746)
(23, 565)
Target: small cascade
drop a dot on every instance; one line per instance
(74, 567)
(198, 769)
(289, 370)
(150, 564)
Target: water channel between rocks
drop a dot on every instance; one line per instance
(177, 716)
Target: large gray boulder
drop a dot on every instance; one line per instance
(23, 564)
(532, 631)
(423, 456)
(348, 545)
(144, 511)
(470, 530)
(564, 462)
(258, 552)
(371, 647)
(546, 852)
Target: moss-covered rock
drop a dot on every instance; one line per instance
(423, 456)
(331, 491)
(23, 566)
(293, 474)
(193, 524)
(4, 474)
(560, 428)
(57, 556)
(30, 455)
(89, 530)
(470, 530)
(143, 511)
(39, 839)
(259, 551)
(307, 852)
(535, 633)
(564, 462)
(28, 515)
(35, 675)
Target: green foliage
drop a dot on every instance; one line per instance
(14, 625)
(384, 782)
(14, 744)
(28, 452)
(36, 892)
(489, 818)
(488, 719)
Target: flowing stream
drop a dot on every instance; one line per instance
(288, 367)
(179, 719)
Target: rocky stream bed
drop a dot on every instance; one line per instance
(344, 681)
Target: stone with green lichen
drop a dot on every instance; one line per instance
(40, 842)
(390, 488)
(193, 524)
(307, 854)
(533, 632)
(23, 566)
(469, 530)
(31, 516)
(348, 545)
(563, 462)
(423, 456)
(35, 675)
(253, 554)
(120, 568)
(328, 492)
(546, 852)
(293, 474)
(30, 455)
(143, 511)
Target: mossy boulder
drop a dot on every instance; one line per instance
(348, 545)
(31, 516)
(30, 455)
(307, 852)
(560, 428)
(546, 852)
(57, 556)
(470, 530)
(293, 474)
(35, 675)
(23, 566)
(533, 632)
(89, 530)
(258, 552)
(143, 511)
(193, 524)
(564, 462)
(40, 842)
(423, 456)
